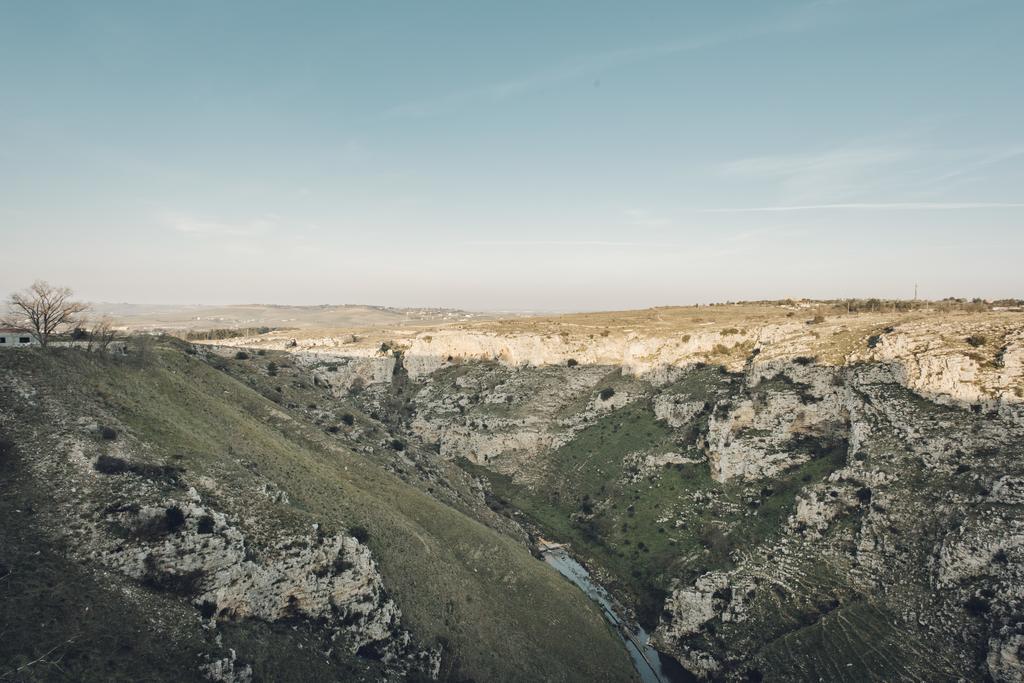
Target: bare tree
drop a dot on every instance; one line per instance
(44, 309)
(101, 334)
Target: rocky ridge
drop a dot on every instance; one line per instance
(901, 412)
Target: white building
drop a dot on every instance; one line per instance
(14, 337)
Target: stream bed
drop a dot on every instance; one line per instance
(651, 665)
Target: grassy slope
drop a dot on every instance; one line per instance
(501, 613)
(624, 535)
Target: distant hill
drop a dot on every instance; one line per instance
(177, 318)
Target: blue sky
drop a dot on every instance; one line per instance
(556, 156)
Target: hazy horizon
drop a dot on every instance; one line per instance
(502, 158)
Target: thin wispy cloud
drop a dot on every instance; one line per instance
(838, 178)
(726, 243)
(835, 174)
(571, 243)
(842, 160)
(873, 206)
(642, 218)
(589, 65)
(976, 161)
(202, 226)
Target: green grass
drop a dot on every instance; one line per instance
(499, 612)
(586, 497)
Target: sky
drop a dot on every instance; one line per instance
(512, 156)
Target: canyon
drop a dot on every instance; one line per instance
(772, 491)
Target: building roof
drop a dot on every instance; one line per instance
(21, 330)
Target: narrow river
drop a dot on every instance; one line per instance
(652, 666)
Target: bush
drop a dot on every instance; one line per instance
(208, 609)
(571, 363)
(873, 340)
(272, 369)
(977, 605)
(348, 419)
(803, 360)
(606, 393)
(174, 518)
(816, 320)
(977, 340)
(108, 464)
(108, 433)
(241, 355)
(205, 525)
(397, 444)
(360, 533)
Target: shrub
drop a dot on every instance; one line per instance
(174, 518)
(864, 494)
(977, 340)
(729, 331)
(816, 320)
(803, 360)
(348, 419)
(272, 369)
(205, 525)
(977, 605)
(360, 533)
(397, 444)
(208, 609)
(873, 340)
(333, 429)
(571, 363)
(241, 355)
(108, 464)
(108, 433)
(606, 393)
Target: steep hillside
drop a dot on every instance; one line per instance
(171, 515)
(779, 494)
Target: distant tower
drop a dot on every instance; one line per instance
(915, 291)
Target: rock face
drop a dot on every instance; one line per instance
(928, 355)
(190, 549)
(837, 498)
(870, 475)
(156, 530)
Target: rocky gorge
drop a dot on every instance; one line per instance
(764, 515)
(771, 493)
